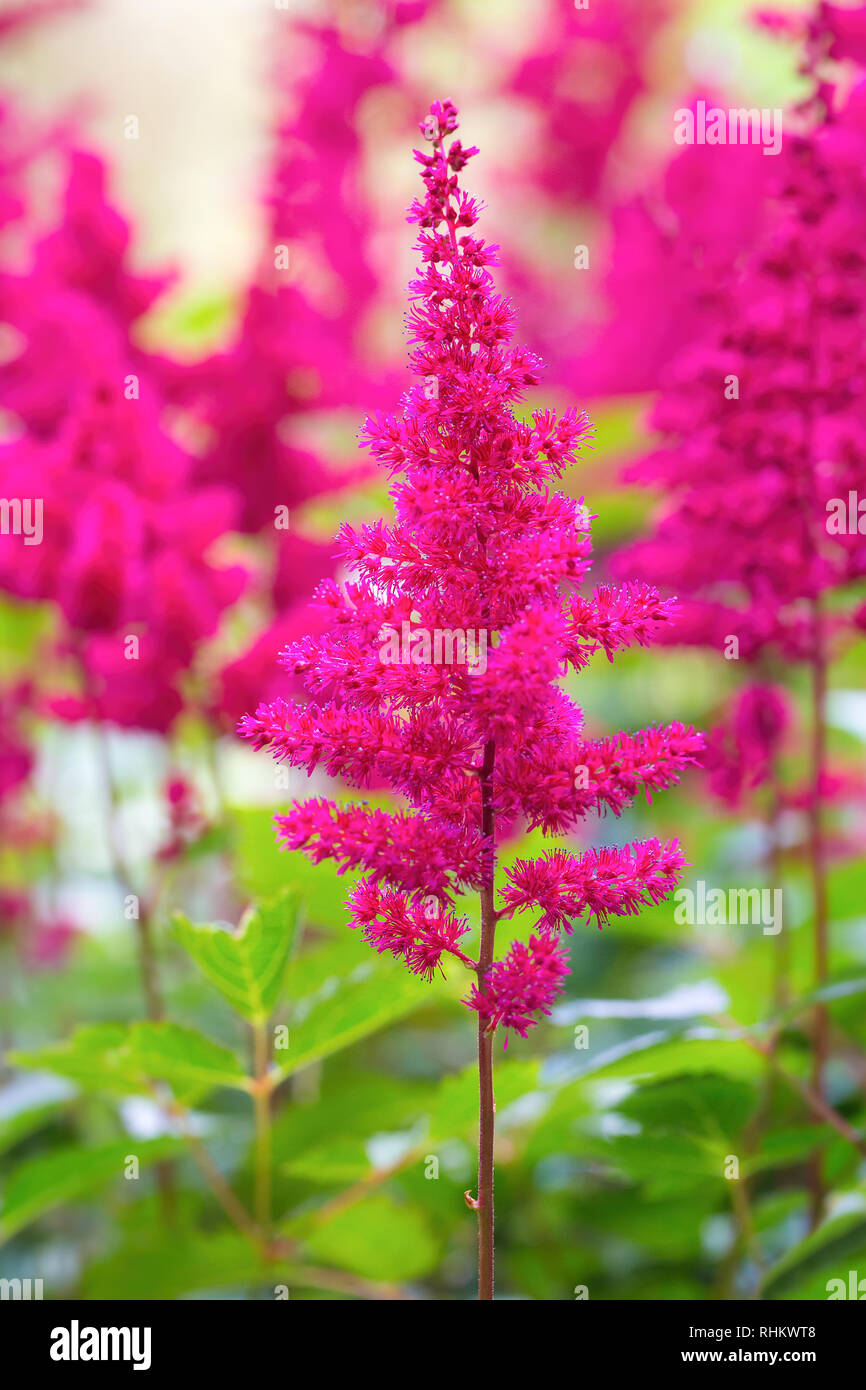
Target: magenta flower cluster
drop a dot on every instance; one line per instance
(481, 540)
(762, 424)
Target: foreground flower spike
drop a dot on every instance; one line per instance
(439, 668)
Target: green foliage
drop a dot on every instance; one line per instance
(454, 1109)
(613, 1159)
(263, 870)
(343, 996)
(22, 625)
(613, 1155)
(377, 1239)
(124, 1059)
(19, 1126)
(643, 1056)
(349, 1011)
(247, 966)
(828, 1253)
(93, 1056)
(69, 1174)
(187, 1061)
(190, 1263)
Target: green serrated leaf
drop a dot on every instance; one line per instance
(828, 1253)
(21, 1125)
(92, 1057)
(653, 1057)
(340, 1161)
(43, 1183)
(183, 1057)
(353, 1010)
(246, 966)
(708, 1105)
(185, 1264)
(378, 1240)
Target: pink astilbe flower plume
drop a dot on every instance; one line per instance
(410, 931)
(408, 849)
(481, 545)
(614, 619)
(524, 983)
(439, 670)
(600, 883)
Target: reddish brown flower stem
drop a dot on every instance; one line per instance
(487, 1108)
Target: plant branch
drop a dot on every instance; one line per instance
(820, 1108)
(364, 1186)
(262, 1102)
(337, 1280)
(230, 1203)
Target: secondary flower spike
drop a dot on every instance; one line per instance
(482, 543)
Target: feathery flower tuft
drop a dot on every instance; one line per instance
(524, 983)
(599, 883)
(437, 669)
(417, 933)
